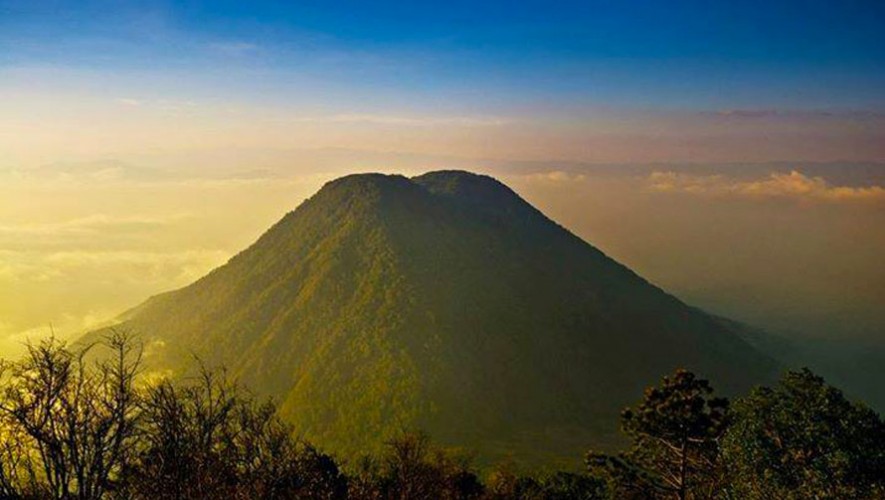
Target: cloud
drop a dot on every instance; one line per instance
(168, 106)
(18, 266)
(105, 171)
(555, 176)
(122, 266)
(65, 326)
(128, 101)
(233, 49)
(795, 114)
(155, 266)
(793, 185)
(89, 225)
(231, 168)
(747, 113)
(97, 231)
(408, 121)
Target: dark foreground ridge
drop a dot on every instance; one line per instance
(443, 302)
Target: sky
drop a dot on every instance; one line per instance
(731, 152)
(585, 81)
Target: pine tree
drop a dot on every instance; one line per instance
(675, 432)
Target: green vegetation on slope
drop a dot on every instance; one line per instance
(443, 302)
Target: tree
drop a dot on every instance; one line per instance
(75, 424)
(68, 425)
(413, 469)
(675, 432)
(208, 439)
(506, 484)
(571, 486)
(804, 439)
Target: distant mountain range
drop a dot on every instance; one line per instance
(443, 302)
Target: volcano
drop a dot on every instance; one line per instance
(443, 302)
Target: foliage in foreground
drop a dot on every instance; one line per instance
(78, 423)
(801, 439)
(675, 432)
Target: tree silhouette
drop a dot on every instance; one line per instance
(208, 439)
(68, 424)
(675, 432)
(79, 423)
(413, 469)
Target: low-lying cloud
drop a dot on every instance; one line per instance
(173, 267)
(90, 225)
(794, 185)
(796, 114)
(408, 121)
(555, 176)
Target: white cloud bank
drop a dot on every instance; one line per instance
(794, 185)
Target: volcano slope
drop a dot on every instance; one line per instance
(446, 303)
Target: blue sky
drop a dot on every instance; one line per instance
(569, 68)
(640, 53)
